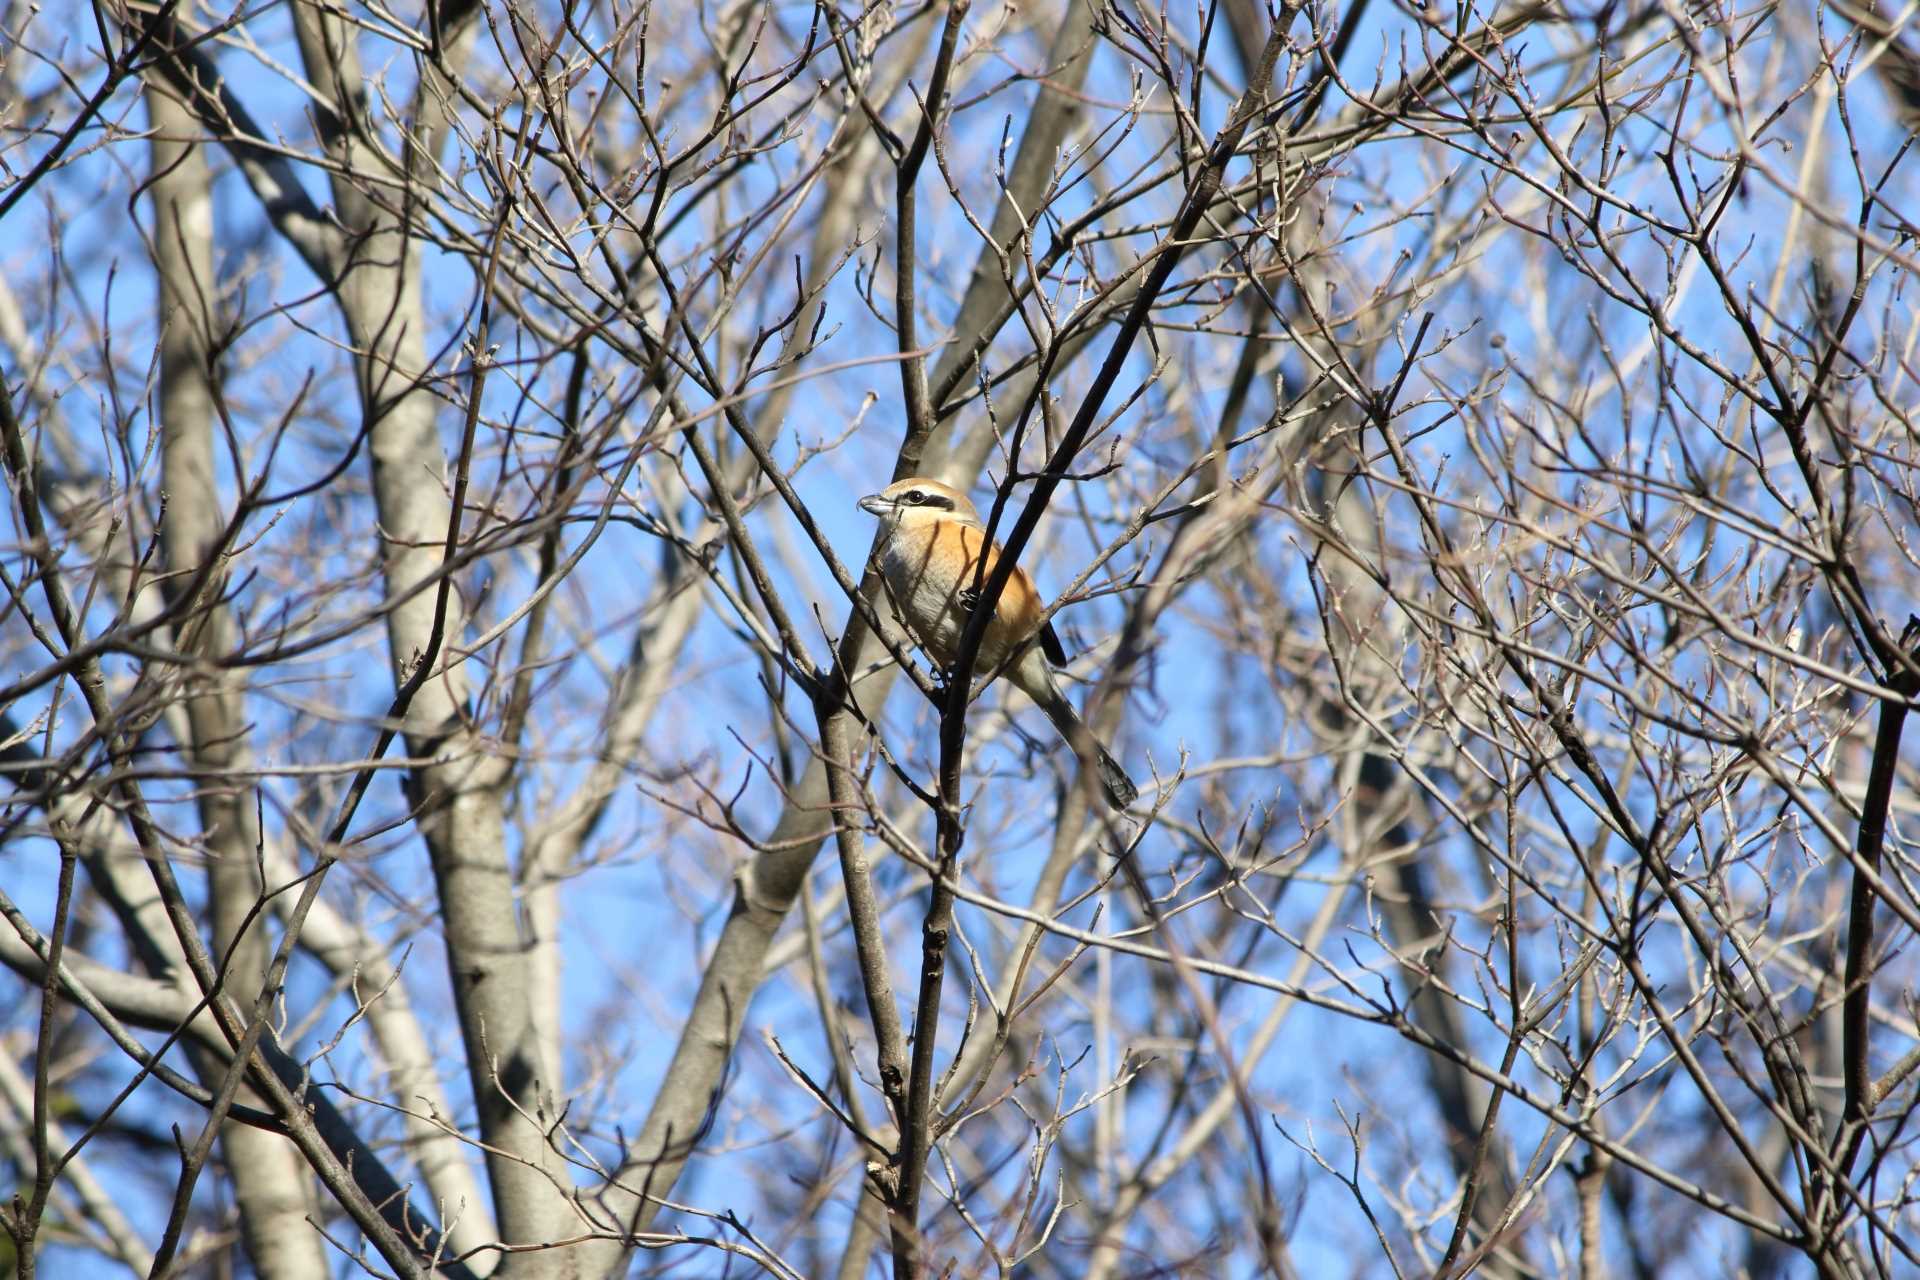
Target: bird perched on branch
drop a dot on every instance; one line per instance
(930, 548)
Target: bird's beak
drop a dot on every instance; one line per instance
(874, 504)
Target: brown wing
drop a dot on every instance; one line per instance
(1020, 603)
(1019, 606)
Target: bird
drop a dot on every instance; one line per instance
(931, 542)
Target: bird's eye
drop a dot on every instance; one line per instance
(915, 497)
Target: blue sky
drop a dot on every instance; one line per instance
(1504, 303)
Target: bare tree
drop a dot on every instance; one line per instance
(473, 811)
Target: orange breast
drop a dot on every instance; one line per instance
(929, 568)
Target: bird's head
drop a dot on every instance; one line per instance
(917, 500)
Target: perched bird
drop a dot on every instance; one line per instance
(930, 546)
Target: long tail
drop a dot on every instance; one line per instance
(1114, 782)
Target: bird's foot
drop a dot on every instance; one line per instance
(942, 683)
